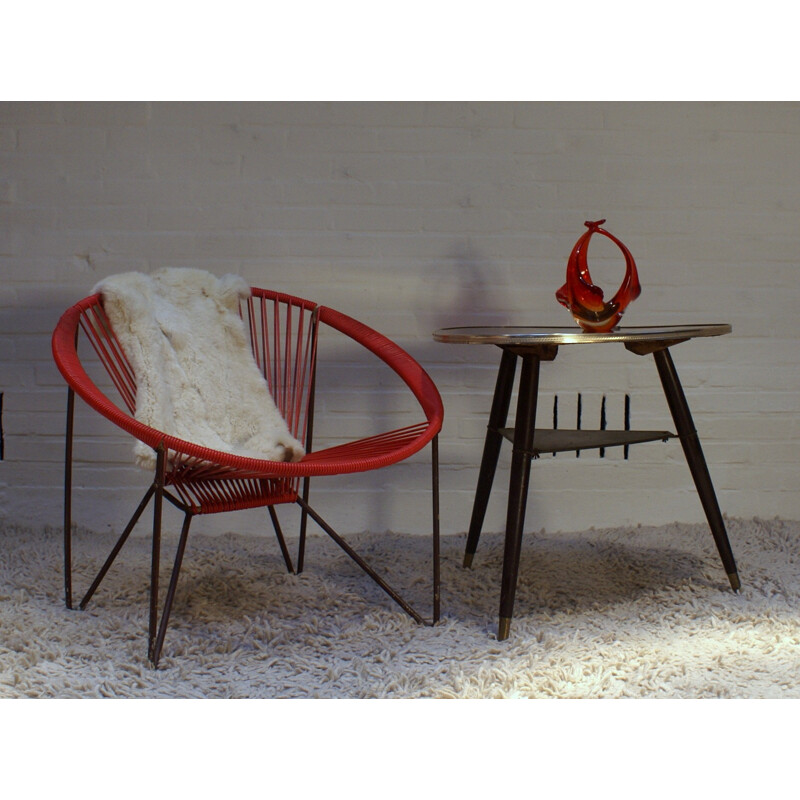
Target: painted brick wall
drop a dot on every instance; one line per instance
(413, 217)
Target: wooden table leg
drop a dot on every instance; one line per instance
(690, 442)
(524, 425)
(491, 450)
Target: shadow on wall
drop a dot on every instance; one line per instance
(460, 288)
(477, 297)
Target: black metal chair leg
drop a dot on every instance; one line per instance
(524, 426)
(690, 442)
(301, 544)
(281, 541)
(308, 511)
(156, 552)
(155, 653)
(435, 501)
(117, 547)
(68, 499)
(491, 451)
(415, 615)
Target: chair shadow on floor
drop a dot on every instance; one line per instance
(233, 581)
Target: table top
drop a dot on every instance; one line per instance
(533, 335)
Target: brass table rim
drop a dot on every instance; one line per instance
(532, 335)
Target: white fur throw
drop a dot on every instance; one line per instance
(195, 373)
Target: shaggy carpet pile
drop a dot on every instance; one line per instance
(639, 612)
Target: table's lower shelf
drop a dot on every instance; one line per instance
(546, 440)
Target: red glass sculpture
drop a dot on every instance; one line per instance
(584, 299)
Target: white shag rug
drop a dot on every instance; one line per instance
(195, 373)
(628, 613)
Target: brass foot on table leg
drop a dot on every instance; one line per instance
(733, 577)
(503, 628)
(468, 560)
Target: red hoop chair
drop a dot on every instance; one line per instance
(284, 333)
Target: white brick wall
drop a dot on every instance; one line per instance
(413, 217)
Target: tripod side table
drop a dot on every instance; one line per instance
(533, 345)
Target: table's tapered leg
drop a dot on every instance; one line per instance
(491, 451)
(524, 426)
(690, 442)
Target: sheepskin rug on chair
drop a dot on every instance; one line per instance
(195, 373)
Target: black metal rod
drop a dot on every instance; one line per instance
(118, 546)
(524, 426)
(281, 541)
(173, 585)
(603, 423)
(491, 450)
(693, 452)
(68, 498)
(154, 564)
(555, 416)
(361, 563)
(436, 551)
(627, 421)
(301, 546)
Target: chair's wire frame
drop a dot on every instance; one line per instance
(196, 480)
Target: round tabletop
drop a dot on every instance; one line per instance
(532, 335)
